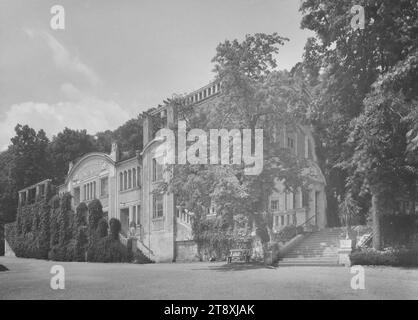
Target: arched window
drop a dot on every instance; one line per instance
(129, 179)
(120, 181)
(134, 177)
(125, 180)
(138, 176)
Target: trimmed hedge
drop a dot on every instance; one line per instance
(392, 257)
(51, 230)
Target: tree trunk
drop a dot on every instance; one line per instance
(377, 241)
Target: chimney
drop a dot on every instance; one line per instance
(114, 154)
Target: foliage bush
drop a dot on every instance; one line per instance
(51, 230)
(80, 232)
(389, 257)
(287, 233)
(398, 229)
(215, 237)
(1, 239)
(110, 250)
(115, 227)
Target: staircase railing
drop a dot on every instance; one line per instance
(289, 235)
(366, 239)
(302, 225)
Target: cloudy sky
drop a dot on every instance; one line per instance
(117, 58)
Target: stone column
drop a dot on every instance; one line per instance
(36, 193)
(171, 116)
(147, 129)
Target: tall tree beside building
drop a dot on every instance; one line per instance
(67, 146)
(29, 164)
(350, 66)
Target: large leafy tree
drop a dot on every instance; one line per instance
(254, 96)
(67, 146)
(345, 63)
(363, 90)
(28, 165)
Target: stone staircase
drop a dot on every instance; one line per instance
(319, 248)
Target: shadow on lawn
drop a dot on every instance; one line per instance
(3, 268)
(239, 267)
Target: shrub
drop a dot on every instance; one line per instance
(390, 257)
(1, 239)
(52, 230)
(287, 233)
(81, 215)
(110, 250)
(95, 214)
(80, 232)
(115, 227)
(53, 224)
(102, 228)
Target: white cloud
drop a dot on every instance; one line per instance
(62, 58)
(88, 113)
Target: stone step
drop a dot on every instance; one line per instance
(308, 262)
(297, 255)
(318, 249)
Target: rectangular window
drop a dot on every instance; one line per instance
(305, 198)
(276, 221)
(157, 170)
(282, 220)
(120, 181)
(294, 219)
(129, 179)
(157, 207)
(290, 143)
(138, 176)
(134, 177)
(41, 189)
(104, 187)
(274, 205)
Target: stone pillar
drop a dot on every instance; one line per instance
(346, 247)
(20, 199)
(171, 116)
(147, 129)
(114, 154)
(36, 193)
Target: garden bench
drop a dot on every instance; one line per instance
(239, 255)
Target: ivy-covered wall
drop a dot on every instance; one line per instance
(1, 239)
